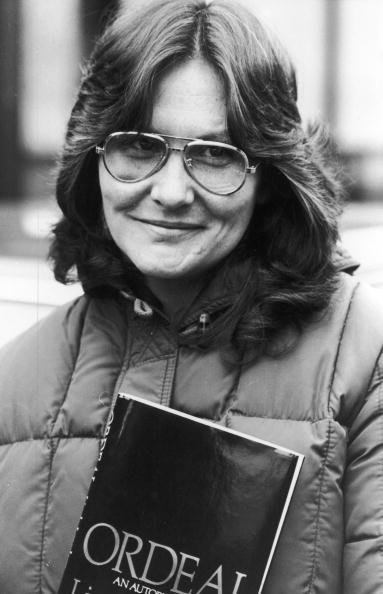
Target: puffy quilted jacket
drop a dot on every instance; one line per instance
(324, 399)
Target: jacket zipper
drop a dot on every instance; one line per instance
(203, 322)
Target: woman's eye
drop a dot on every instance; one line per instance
(216, 152)
(216, 155)
(145, 144)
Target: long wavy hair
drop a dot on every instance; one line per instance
(285, 261)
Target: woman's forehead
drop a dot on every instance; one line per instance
(190, 95)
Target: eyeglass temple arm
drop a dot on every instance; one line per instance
(99, 150)
(252, 168)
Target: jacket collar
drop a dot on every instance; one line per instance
(218, 294)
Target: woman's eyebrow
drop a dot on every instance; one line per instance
(214, 136)
(218, 137)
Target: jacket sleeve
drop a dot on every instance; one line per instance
(363, 494)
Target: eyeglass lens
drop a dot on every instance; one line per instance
(131, 157)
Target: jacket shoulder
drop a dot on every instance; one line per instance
(327, 371)
(367, 303)
(59, 330)
(57, 378)
(360, 346)
(35, 369)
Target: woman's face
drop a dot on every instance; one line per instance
(168, 225)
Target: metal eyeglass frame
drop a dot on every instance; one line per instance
(100, 150)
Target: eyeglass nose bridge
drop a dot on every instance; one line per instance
(187, 162)
(168, 150)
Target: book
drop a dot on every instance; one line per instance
(180, 505)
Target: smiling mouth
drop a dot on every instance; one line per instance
(169, 224)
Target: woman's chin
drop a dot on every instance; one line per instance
(174, 273)
(160, 267)
(170, 274)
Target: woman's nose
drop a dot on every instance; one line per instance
(172, 186)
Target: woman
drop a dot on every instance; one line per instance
(201, 220)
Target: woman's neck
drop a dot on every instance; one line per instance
(175, 295)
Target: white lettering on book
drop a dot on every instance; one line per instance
(76, 583)
(173, 554)
(180, 567)
(181, 573)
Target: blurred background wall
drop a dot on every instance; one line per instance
(43, 43)
(337, 46)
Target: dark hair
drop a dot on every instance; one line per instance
(285, 260)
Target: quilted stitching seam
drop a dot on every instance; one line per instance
(167, 383)
(337, 354)
(317, 520)
(45, 438)
(52, 449)
(379, 372)
(55, 414)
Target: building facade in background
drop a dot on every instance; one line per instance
(336, 45)
(43, 44)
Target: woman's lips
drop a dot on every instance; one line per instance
(166, 224)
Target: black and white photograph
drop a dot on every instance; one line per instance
(191, 296)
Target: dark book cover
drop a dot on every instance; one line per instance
(179, 505)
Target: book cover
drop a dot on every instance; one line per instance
(179, 505)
